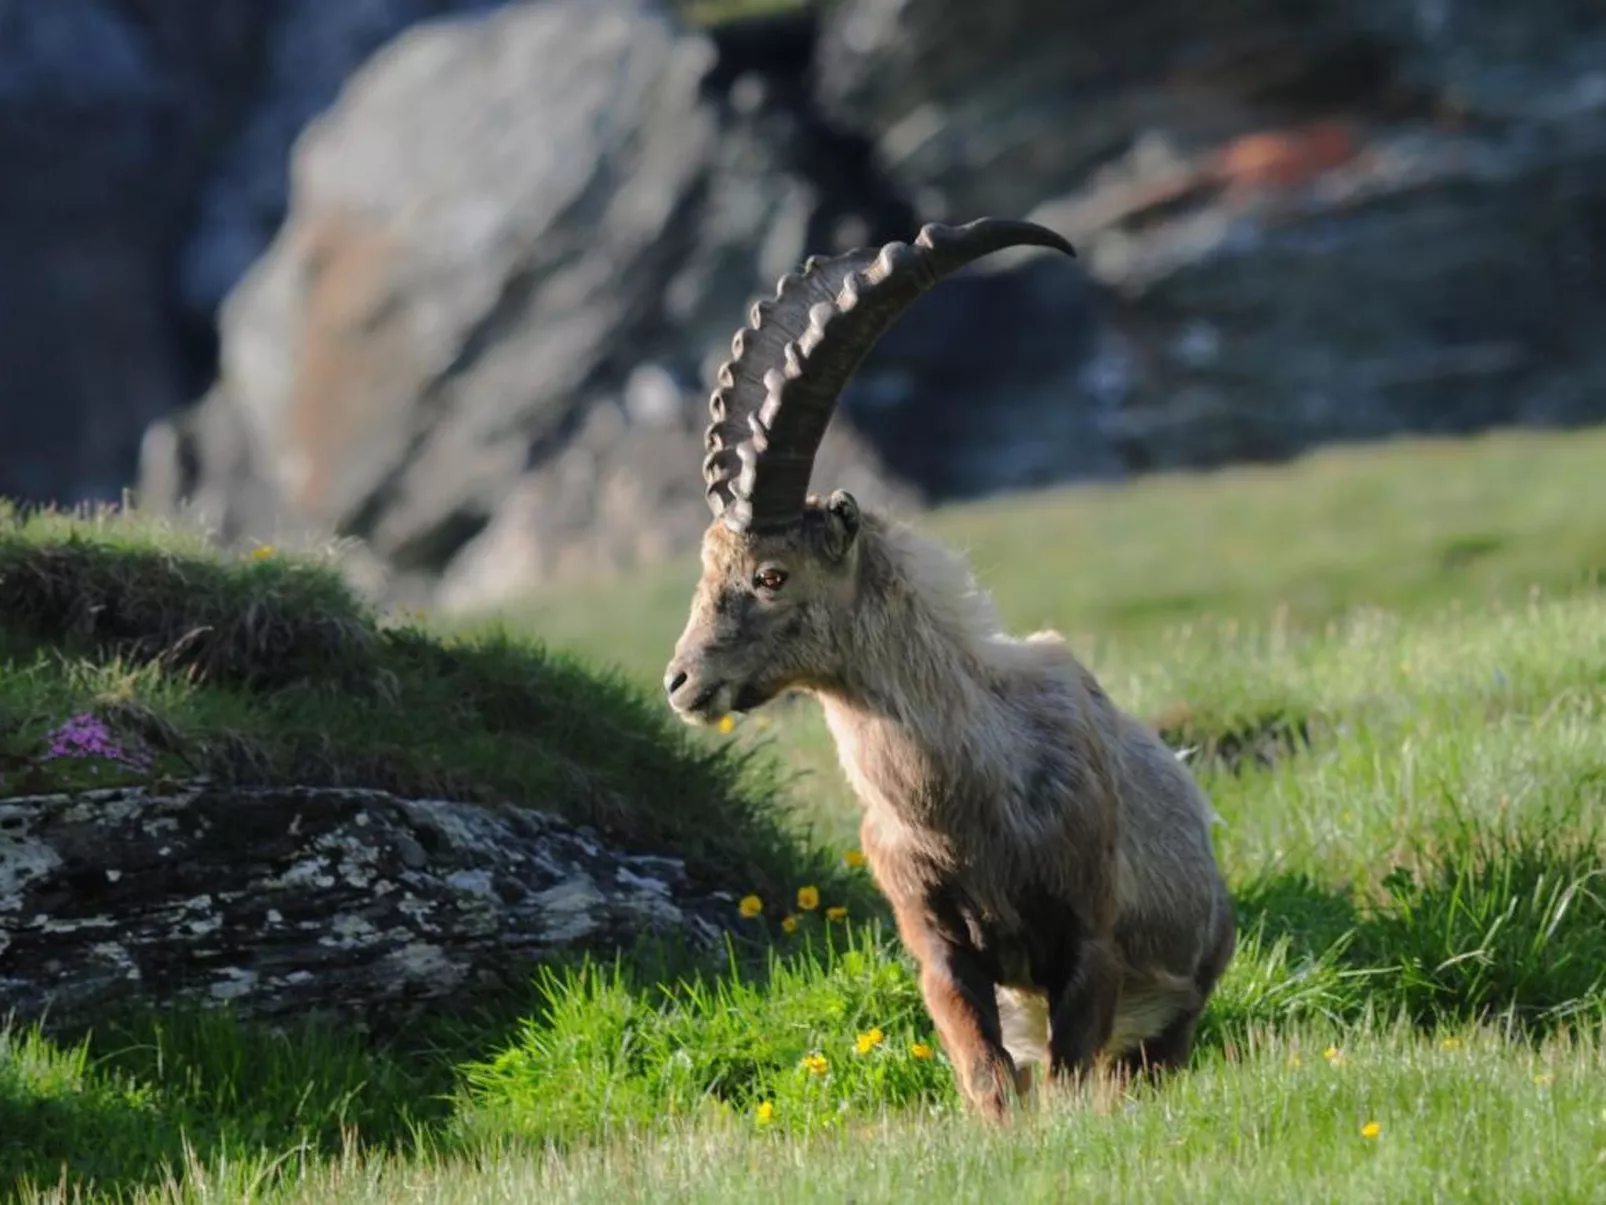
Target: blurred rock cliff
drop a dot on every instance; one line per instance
(452, 278)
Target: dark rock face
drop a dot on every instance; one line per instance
(284, 902)
(144, 147)
(1299, 224)
(88, 144)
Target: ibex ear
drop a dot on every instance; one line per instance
(843, 521)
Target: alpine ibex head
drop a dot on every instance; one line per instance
(779, 565)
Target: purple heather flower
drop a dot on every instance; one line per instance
(86, 735)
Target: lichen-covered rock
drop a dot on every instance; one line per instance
(285, 901)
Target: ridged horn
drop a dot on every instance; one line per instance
(776, 393)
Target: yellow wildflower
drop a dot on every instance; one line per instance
(808, 898)
(263, 552)
(727, 723)
(766, 1112)
(1371, 1130)
(789, 923)
(853, 858)
(750, 906)
(1333, 1054)
(867, 1042)
(836, 912)
(921, 1051)
(1450, 1044)
(815, 1064)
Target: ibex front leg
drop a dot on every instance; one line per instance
(961, 997)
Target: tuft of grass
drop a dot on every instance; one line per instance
(1508, 925)
(96, 582)
(123, 1108)
(814, 1039)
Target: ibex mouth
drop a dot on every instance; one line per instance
(749, 697)
(697, 703)
(712, 703)
(701, 704)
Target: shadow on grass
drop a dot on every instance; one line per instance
(1236, 743)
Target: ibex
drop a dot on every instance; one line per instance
(1047, 858)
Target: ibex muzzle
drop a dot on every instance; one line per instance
(762, 618)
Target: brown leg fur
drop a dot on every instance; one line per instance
(1082, 1011)
(959, 996)
(962, 1000)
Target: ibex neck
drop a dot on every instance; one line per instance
(916, 680)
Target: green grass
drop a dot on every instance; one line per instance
(1393, 672)
(1475, 1123)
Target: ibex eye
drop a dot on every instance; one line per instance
(770, 578)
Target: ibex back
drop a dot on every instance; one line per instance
(1047, 858)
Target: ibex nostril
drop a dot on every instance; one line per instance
(674, 680)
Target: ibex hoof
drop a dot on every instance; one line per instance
(990, 1088)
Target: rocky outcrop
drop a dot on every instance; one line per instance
(1301, 223)
(998, 109)
(284, 902)
(486, 329)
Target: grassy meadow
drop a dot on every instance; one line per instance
(1389, 662)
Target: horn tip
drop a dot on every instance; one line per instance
(1007, 231)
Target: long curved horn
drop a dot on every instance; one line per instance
(776, 393)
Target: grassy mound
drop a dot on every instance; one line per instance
(267, 669)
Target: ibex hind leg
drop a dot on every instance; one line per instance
(1167, 1050)
(1171, 1046)
(1082, 1012)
